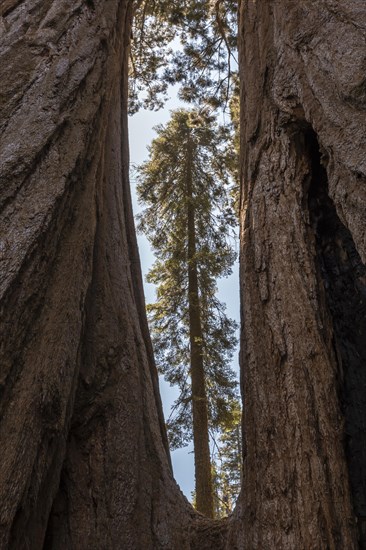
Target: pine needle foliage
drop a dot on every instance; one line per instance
(227, 464)
(192, 43)
(162, 189)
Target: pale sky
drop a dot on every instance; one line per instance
(141, 134)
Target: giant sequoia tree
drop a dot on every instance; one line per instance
(302, 272)
(84, 462)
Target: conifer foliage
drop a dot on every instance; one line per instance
(205, 62)
(227, 464)
(188, 219)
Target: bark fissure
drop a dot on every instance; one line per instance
(343, 278)
(300, 62)
(69, 243)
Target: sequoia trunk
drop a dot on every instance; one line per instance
(202, 461)
(81, 428)
(303, 244)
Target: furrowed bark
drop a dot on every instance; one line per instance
(84, 460)
(302, 230)
(81, 423)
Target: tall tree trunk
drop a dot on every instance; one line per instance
(302, 277)
(81, 429)
(202, 460)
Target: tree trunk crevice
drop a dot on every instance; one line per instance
(342, 276)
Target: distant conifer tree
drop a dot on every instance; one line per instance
(188, 218)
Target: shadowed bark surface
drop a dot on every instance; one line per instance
(81, 421)
(303, 244)
(84, 459)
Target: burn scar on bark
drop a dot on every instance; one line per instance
(343, 276)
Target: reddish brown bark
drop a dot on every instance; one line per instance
(81, 422)
(303, 123)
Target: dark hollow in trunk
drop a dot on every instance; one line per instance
(343, 278)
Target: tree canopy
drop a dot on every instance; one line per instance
(192, 43)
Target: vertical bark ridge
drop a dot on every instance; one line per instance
(116, 476)
(75, 366)
(72, 332)
(300, 66)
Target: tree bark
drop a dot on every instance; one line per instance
(303, 244)
(84, 460)
(202, 459)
